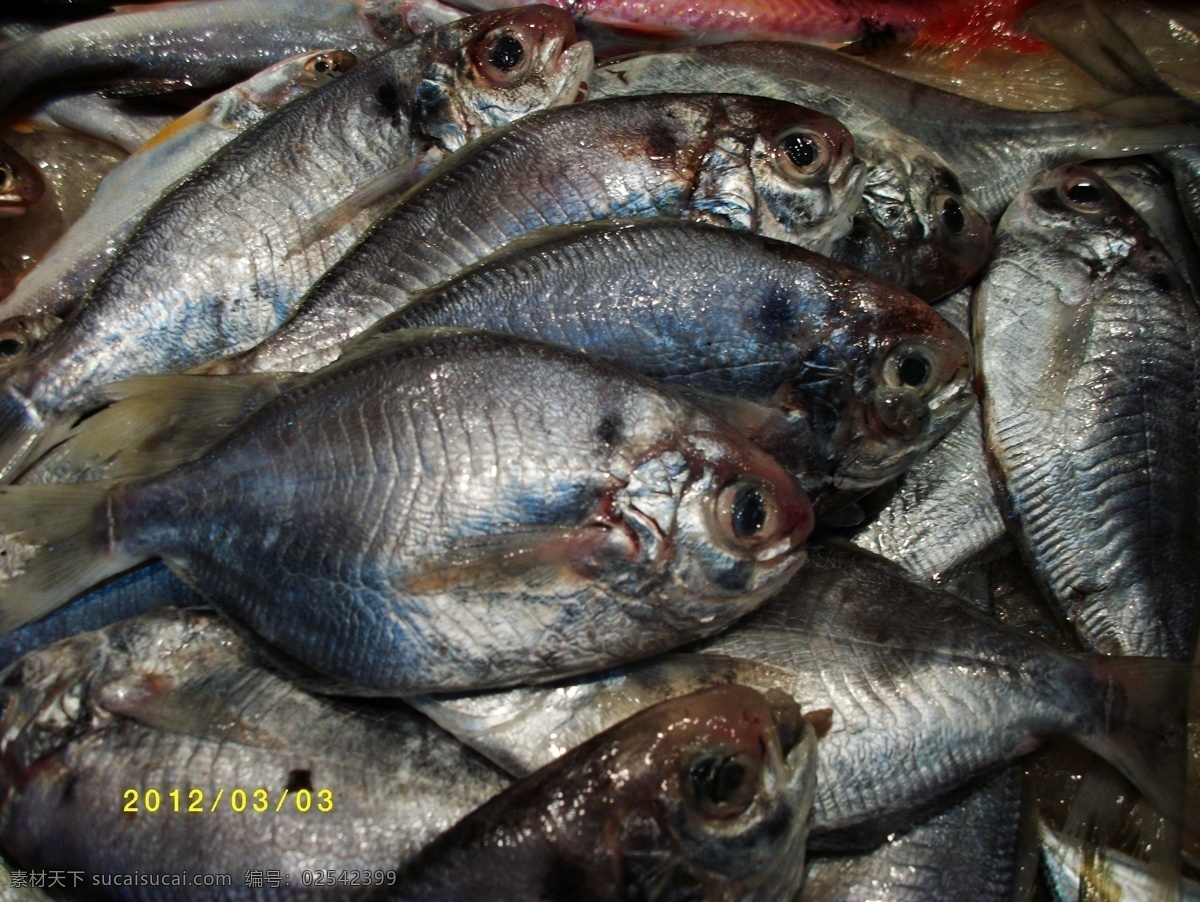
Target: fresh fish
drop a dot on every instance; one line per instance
(113, 740)
(1088, 342)
(220, 262)
(188, 45)
(68, 271)
(915, 226)
(750, 163)
(923, 694)
(71, 166)
(142, 589)
(21, 184)
(968, 851)
(1075, 874)
(1184, 165)
(992, 151)
(835, 351)
(454, 510)
(705, 796)
(943, 515)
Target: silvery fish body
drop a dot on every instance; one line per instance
(705, 796)
(739, 315)
(943, 515)
(923, 694)
(220, 262)
(915, 226)
(992, 150)
(1073, 873)
(444, 509)
(176, 703)
(968, 851)
(718, 158)
(1088, 342)
(183, 45)
(64, 276)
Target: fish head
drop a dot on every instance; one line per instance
(916, 227)
(806, 176)
(497, 67)
(1076, 210)
(881, 392)
(723, 778)
(20, 334)
(716, 522)
(21, 185)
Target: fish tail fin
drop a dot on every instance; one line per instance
(160, 422)
(1146, 714)
(55, 541)
(24, 434)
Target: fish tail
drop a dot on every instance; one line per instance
(24, 434)
(160, 422)
(1145, 124)
(1144, 720)
(55, 541)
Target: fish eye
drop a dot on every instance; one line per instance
(747, 512)
(802, 153)
(950, 212)
(723, 787)
(503, 57)
(326, 64)
(910, 366)
(7, 176)
(10, 347)
(1085, 194)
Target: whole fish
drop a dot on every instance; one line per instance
(736, 314)
(923, 694)
(1088, 342)
(943, 516)
(705, 796)
(992, 151)
(21, 184)
(219, 263)
(453, 509)
(915, 226)
(66, 274)
(190, 45)
(750, 163)
(968, 851)
(124, 751)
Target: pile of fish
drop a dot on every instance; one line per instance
(410, 455)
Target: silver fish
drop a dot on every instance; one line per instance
(1088, 342)
(124, 749)
(220, 262)
(915, 226)
(65, 275)
(705, 796)
(455, 509)
(923, 694)
(736, 314)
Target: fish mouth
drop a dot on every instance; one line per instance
(576, 61)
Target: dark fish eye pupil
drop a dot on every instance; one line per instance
(749, 514)
(1085, 194)
(507, 53)
(952, 216)
(9, 347)
(913, 371)
(717, 781)
(801, 150)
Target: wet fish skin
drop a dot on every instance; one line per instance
(178, 699)
(993, 151)
(601, 524)
(220, 262)
(646, 818)
(1087, 343)
(193, 45)
(66, 274)
(709, 157)
(21, 184)
(916, 226)
(728, 312)
(925, 694)
(942, 516)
